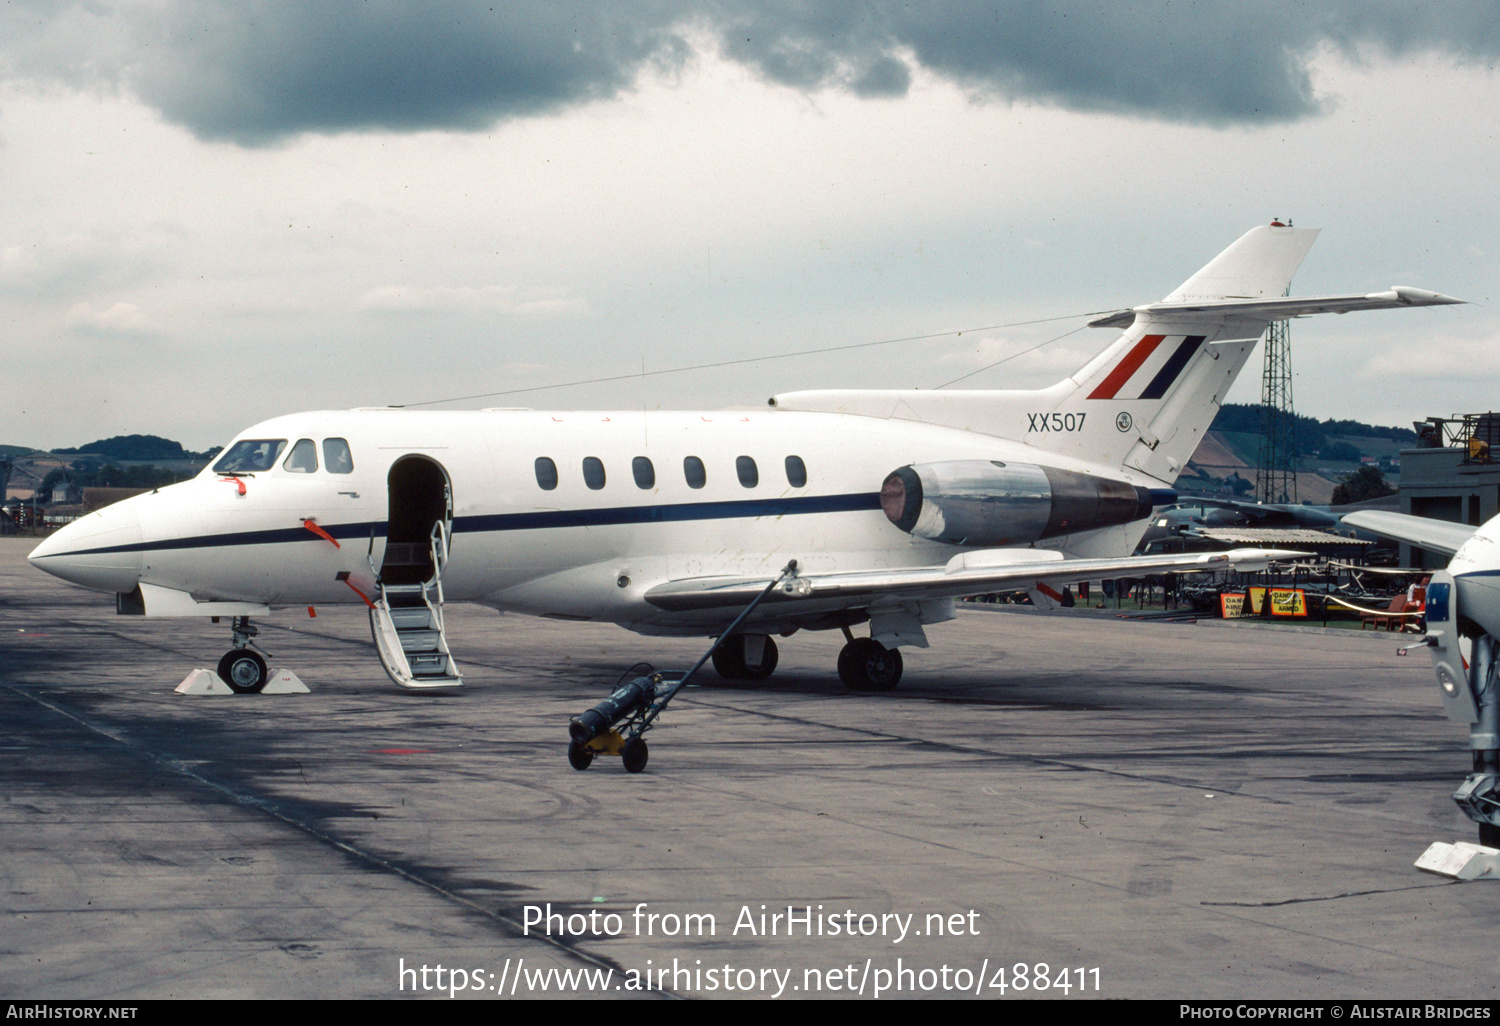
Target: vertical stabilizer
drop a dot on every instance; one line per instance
(1150, 397)
(1144, 403)
(1259, 265)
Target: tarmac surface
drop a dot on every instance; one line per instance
(1157, 810)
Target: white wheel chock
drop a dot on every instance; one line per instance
(203, 682)
(1461, 861)
(284, 682)
(207, 682)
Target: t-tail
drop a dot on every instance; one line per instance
(1144, 403)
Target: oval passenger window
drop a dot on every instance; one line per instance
(745, 467)
(796, 472)
(593, 472)
(645, 473)
(546, 473)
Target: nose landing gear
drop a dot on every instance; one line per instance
(242, 668)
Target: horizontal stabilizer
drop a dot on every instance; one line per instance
(1423, 532)
(1395, 297)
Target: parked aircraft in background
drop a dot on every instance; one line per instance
(1463, 602)
(1187, 519)
(891, 502)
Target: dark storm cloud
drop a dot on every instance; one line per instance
(1213, 63)
(255, 72)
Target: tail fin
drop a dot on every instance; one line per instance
(1259, 265)
(1144, 403)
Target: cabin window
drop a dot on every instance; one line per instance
(692, 469)
(546, 473)
(593, 472)
(303, 459)
(336, 457)
(796, 472)
(745, 467)
(645, 473)
(250, 455)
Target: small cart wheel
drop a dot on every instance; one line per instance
(635, 755)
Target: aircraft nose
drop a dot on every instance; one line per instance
(1479, 599)
(100, 551)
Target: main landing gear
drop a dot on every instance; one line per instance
(242, 668)
(864, 663)
(867, 665)
(746, 657)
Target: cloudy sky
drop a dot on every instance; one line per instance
(212, 213)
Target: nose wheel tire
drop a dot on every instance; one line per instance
(243, 670)
(867, 665)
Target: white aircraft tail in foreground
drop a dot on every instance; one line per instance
(876, 507)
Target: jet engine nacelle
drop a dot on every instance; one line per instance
(989, 503)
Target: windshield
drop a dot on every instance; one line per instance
(250, 455)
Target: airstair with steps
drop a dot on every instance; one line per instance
(407, 623)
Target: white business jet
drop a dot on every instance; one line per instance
(1463, 603)
(891, 503)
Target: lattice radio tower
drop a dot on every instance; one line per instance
(1276, 476)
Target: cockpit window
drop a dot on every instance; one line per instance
(250, 455)
(303, 459)
(336, 458)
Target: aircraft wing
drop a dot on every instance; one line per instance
(1279, 309)
(1437, 535)
(969, 573)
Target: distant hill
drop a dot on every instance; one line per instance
(135, 447)
(1328, 452)
(1312, 436)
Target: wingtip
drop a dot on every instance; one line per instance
(1423, 297)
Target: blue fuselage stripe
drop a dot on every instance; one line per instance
(532, 521)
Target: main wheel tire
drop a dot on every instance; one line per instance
(768, 659)
(1489, 835)
(729, 659)
(848, 672)
(243, 670)
(884, 668)
(579, 757)
(867, 665)
(635, 754)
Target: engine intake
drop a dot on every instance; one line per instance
(989, 503)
